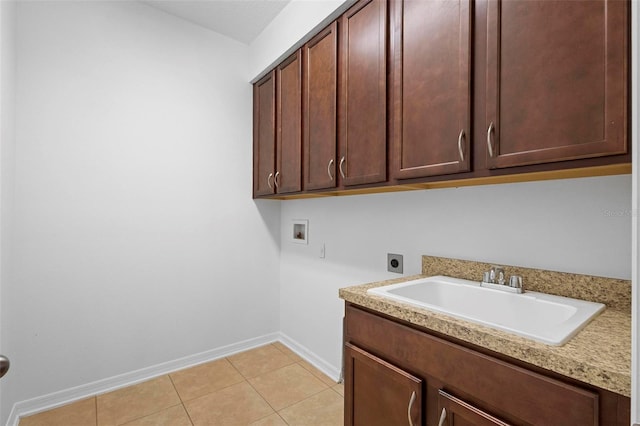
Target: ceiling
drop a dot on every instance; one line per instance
(241, 20)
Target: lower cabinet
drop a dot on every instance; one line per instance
(456, 412)
(400, 375)
(379, 393)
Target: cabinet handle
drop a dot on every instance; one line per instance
(443, 417)
(275, 179)
(269, 180)
(340, 167)
(489, 142)
(4, 365)
(329, 169)
(411, 401)
(460, 151)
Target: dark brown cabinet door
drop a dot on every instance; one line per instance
(288, 175)
(320, 75)
(557, 80)
(264, 135)
(455, 412)
(378, 393)
(363, 93)
(509, 392)
(431, 87)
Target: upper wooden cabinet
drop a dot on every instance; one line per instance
(288, 175)
(431, 55)
(264, 135)
(320, 76)
(277, 130)
(363, 94)
(556, 80)
(422, 93)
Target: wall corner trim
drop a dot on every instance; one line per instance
(66, 396)
(330, 370)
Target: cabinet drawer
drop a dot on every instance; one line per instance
(510, 392)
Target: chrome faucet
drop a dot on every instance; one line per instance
(495, 278)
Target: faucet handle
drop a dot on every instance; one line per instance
(496, 274)
(515, 281)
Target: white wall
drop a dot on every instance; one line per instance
(579, 225)
(7, 140)
(133, 223)
(136, 238)
(293, 24)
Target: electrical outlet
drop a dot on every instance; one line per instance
(394, 263)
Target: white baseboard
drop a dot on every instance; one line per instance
(63, 397)
(330, 370)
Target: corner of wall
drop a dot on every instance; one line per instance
(291, 27)
(7, 141)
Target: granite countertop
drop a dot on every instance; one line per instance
(600, 354)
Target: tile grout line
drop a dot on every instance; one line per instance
(283, 419)
(209, 392)
(315, 373)
(181, 401)
(235, 368)
(339, 394)
(262, 397)
(294, 359)
(276, 413)
(301, 361)
(303, 399)
(146, 415)
(295, 362)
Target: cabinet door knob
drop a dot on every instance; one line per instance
(329, 169)
(460, 148)
(411, 401)
(489, 141)
(269, 181)
(340, 167)
(275, 179)
(443, 417)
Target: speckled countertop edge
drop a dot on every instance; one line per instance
(596, 355)
(613, 292)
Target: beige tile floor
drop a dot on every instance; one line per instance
(266, 386)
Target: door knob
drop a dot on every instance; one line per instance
(4, 365)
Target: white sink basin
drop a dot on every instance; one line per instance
(543, 317)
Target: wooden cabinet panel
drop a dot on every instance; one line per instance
(320, 74)
(549, 83)
(363, 93)
(378, 393)
(264, 135)
(288, 176)
(484, 381)
(557, 80)
(456, 412)
(431, 87)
